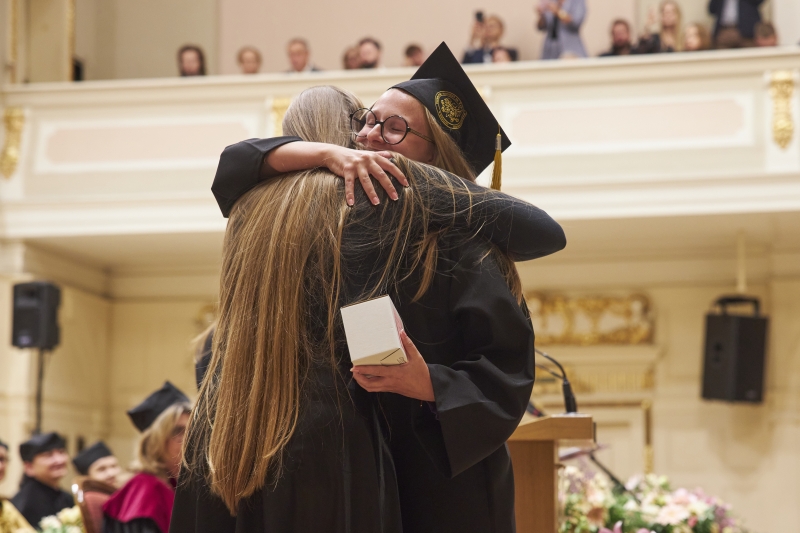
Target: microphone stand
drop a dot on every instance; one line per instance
(571, 406)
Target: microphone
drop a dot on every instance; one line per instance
(570, 403)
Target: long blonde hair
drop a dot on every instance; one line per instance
(151, 449)
(678, 32)
(281, 268)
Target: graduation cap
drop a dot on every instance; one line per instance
(84, 460)
(44, 442)
(144, 414)
(442, 86)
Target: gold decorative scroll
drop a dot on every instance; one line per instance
(585, 321)
(781, 87)
(279, 107)
(13, 120)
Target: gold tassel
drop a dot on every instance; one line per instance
(497, 172)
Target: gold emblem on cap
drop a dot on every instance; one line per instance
(450, 109)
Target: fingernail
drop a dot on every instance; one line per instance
(394, 196)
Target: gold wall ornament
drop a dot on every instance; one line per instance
(279, 107)
(586, 321)
(781, 88)
(13, 120)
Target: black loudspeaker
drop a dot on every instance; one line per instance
(36, 315)
(733, 369)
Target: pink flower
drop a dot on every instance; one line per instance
(643, 530)
(617, 529)
(692, 521)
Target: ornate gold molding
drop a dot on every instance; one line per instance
(279, 107)
(781, 87)
(14, 120)
(585, 321)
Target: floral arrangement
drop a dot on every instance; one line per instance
(68, 520)
(591, 504)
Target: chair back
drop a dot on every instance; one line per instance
(90, 495)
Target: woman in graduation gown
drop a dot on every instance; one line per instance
(454, 471)
(144, 503)
(11, 521)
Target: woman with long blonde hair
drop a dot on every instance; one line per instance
(667, 34)
(448, 419)
(144, 503)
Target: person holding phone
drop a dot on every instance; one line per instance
(486, 35)
(561, 22)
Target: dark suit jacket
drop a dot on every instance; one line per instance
(476, 56)
(748, 15)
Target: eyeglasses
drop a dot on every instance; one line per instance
(393, 130)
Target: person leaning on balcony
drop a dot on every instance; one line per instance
(664, 35)
(191, 61)
(299, 56)
(620, 39)
(696, 38)
(765, 35)
(11, 521)
(561, 21)
(735, 18)
(45, 461)
(249, 59)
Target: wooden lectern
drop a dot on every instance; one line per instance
(534, 455)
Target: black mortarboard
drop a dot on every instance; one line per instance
(41, 443)
(144, 414)
(442, 86)
(87, 457)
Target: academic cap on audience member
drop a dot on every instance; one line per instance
(144, 414)
(44, 442)
(86, 458)
(442, 86)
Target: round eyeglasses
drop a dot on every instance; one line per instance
(393, 130)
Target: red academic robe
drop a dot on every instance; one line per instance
(144, 498)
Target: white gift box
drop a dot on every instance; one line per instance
(373, 331)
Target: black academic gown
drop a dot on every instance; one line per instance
(35, 500)
(453, 467)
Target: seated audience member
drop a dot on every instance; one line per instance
(561, 22)
(501, 55)
(734, 21)
(490, 37)
(620, 39)
(249, 59)
(413, 56)
(99, 463)
(696, 38)
(351, 59)
(45, 459)
(299, 55)
(765, 34)
(729, 40)
(664, 36)
(203, 353)
(369, 51)
(10, 519)
(191, 61)
(144, 504)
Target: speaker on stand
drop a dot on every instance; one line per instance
(35, 325)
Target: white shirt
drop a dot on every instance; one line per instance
(730, 13)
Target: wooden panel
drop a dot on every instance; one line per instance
(535, 485)
(556, 427)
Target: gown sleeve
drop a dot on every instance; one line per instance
(480, 398)
(519, 229)
(239, 169)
